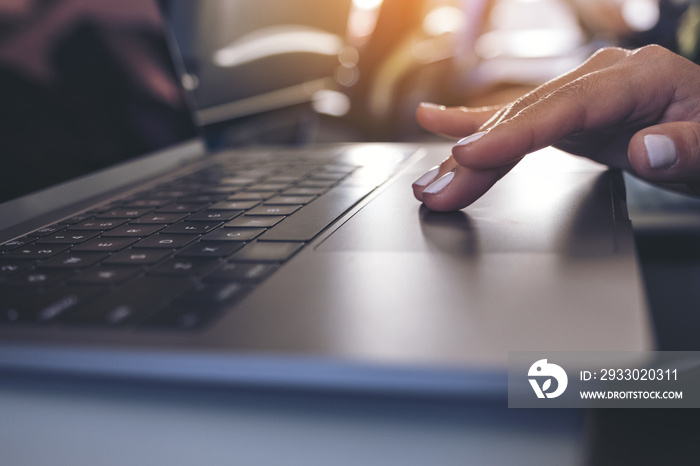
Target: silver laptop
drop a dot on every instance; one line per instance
(128, 250)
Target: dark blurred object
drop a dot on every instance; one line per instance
(632, 23)
(667, 228)
(84, 117)
(642, 437)
(689, 32)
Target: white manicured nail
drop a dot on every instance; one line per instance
(428, 178)
(432, 105)
(440, 184)
(661, 151)
(471, 138)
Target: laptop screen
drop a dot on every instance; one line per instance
(85, 85)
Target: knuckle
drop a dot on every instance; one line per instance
(606, 56)
(652, 52)
(608, 53)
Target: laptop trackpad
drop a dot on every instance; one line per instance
(565, 213)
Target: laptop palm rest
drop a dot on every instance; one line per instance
(542, 262)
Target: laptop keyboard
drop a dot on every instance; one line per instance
(175, 255)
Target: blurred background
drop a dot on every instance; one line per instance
(299, 71)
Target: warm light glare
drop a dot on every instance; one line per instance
(331, 103)
(367, 4)
(443, 20)
(641, 15)
(528, 43)
(278, 40)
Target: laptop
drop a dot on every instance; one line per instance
(130, 250)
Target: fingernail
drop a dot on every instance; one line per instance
(440, 184)
(471, 138)
(432, 105)
(661, 151)
(429, 177)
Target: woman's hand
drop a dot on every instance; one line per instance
(637, 110)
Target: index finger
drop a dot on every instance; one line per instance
(453, 121)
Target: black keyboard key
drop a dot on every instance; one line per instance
(185, 267)
(323, 176)
(97, 224)
(105, 244)
(196, 308)
(248, 221)
(105, 208)
(75, 219)
(237, 181)
(310, 220)
(68, 237)
(234, 205)
(165, 241)
(267, 187)
(47, 230)
(274, 210)
(182, 207)
(74, 260)
(36, 251)
(38, 278)
(124, 213)
(191, 227)
(137, 257)
(316, 184)
(16, 243)
(106, 275)
(159, 218)
(212, 294)
(133, 302)
(241, 272)
(304, 191)
(267, 252)
(146, 203)
(234, 234)
(170, 194)
(210, 249)
(341, 168)
(50, 305)
(202, 198)
(10, 267)
(256, 172)
(132, 230)
(214, 216)
(224, 189)
(290, 200)
(284, 179)
(250, 196)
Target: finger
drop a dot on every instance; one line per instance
(460, 187)
(453, 121)
(432, 175)
(669, 152)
